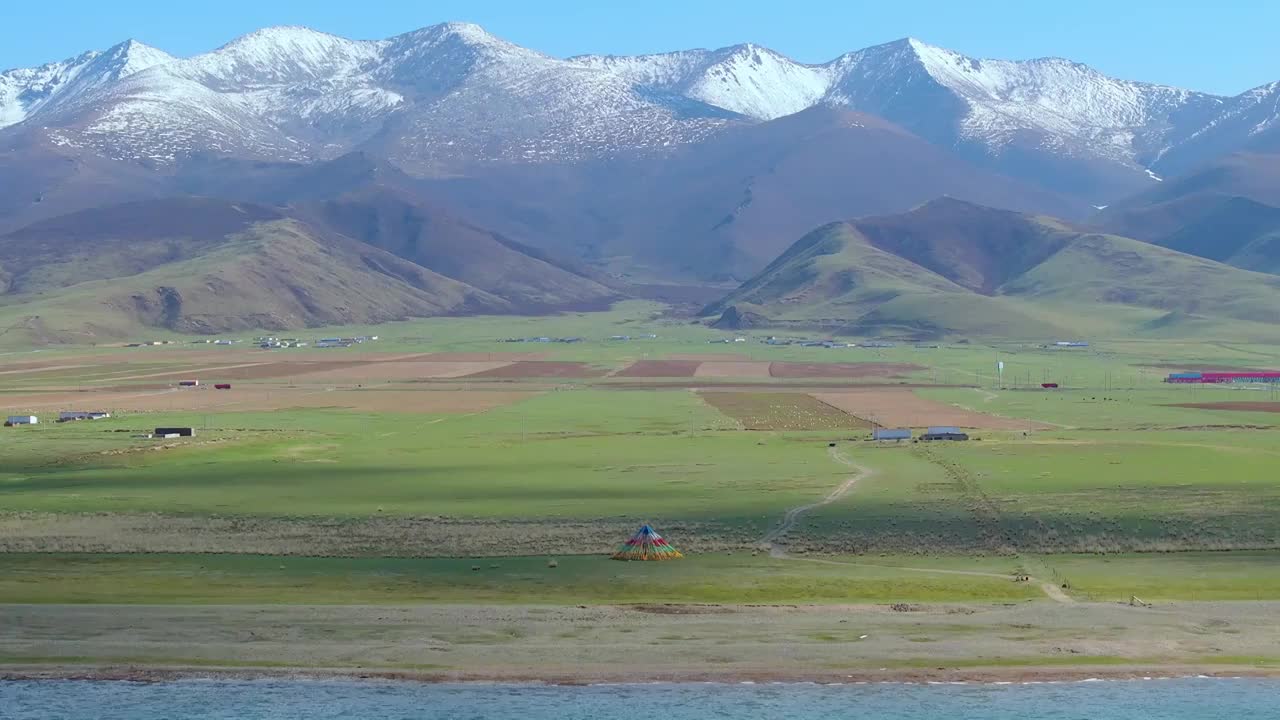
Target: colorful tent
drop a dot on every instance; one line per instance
(646, 545)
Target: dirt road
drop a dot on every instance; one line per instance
(773, 539)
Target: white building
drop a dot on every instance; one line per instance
(67, 415)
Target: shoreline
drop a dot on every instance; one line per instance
(1022, 675)
(1037, 641)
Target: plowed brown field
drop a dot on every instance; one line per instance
(903, 408)
(735, 369)
(781, 411)
(659, 369)
(504, 357)
(403, 370)
(842, 370)
(259, 399)
(541, 369)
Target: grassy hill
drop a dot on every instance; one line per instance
(951, 267)
(195, 265)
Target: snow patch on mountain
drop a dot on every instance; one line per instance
(745, 79)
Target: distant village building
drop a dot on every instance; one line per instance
(891, 434)
(175, 431)
(70, 415)
(1224, 378)
(944, 432)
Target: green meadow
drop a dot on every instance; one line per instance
(711, 578)
(1114, 488)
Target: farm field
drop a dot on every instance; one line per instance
(782, 411)
(901, 408)
(443, 465)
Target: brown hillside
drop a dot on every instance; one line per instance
(725, 208)
(447, 245)
(976, 247)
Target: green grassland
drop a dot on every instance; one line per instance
(738, 578)
(571, 454)
(1120, 470)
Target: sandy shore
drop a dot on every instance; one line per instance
(995, 675)
(1021, 642)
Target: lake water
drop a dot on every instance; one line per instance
(1190, 699)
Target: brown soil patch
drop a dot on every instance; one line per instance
(782, 411)
(735, 369)
(842, 370)
(259, 399)
(16, 370)
(1238, 405)
(404, 370)
(541, 368)
(189, 373)
(709, 357)
(503, 357)
(659, 369)
(353, 371)
(901, 407)
(811, 385)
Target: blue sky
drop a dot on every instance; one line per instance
(1225, 46)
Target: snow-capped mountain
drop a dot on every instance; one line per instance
(441, 94)
(1065, 106)
(994, 107)
(746, 79)
(1249, 121)
(26, 92)
(450, 95)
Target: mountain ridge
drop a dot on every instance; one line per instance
(417, 96)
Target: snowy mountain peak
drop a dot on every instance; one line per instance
(470, 32)
(286, 53)
(26, 91)
(459, 34)
(131, 57)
